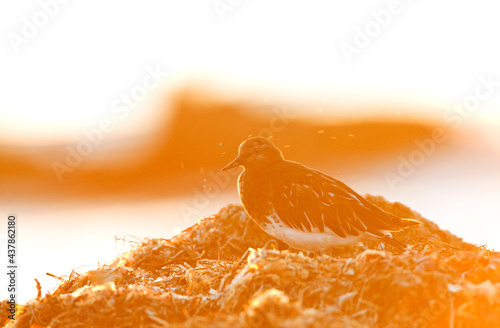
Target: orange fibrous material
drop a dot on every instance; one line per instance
(226, 271)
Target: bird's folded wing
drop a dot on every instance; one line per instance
(315, 202)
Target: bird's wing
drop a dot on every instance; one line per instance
(310, 200)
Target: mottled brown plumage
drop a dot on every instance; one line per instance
(306, 208)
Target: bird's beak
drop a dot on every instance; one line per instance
(231, 165)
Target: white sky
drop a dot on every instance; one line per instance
(68, 74)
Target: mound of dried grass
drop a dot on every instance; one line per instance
(204, 277)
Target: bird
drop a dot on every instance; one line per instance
(306, 208)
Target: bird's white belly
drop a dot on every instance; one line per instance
(309, 241)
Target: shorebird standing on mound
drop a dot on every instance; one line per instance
(306, 208)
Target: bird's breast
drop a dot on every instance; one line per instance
(255, 196)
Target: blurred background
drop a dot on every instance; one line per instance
(116, 117)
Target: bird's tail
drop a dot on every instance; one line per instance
(407, 222)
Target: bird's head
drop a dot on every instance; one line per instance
(256, 152)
